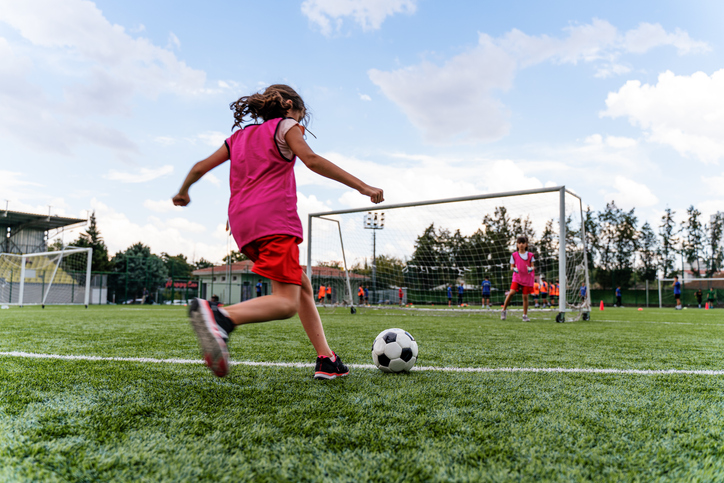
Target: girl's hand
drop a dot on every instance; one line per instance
(181, 199)
(516, 270)
(376, 195)
(530, 269)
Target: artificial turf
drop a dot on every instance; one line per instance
(90, 420)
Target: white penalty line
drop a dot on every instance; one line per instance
(302, 365)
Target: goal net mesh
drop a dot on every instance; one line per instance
(47, 278)
(426, 248)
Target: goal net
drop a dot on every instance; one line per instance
(694, 292)
(440, 252)
(48, 278)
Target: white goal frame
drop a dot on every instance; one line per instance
(66, 251)
(562, 273)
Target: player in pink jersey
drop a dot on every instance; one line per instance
(264, 222)
(521, 262)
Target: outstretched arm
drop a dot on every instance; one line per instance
(199, 169)
(326, 168)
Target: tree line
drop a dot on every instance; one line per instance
(620, 251)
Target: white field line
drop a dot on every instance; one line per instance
(573, 370)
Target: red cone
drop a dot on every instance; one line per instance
(601, 306)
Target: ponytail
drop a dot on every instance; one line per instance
(273, 103)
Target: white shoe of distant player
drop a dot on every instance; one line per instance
(503, 314)
(526, 319)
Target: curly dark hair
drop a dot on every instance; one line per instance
(273, 103)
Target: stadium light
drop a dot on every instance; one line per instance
(374, 221)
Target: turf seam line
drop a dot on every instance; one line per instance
(302, 365)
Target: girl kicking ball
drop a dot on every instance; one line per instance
(264, 222)
(521, 262)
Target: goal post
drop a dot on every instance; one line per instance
(438, 252)
(48, 278)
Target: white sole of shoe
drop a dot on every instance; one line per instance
(216, 354)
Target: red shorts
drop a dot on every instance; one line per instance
(516, 287)
(276, 257)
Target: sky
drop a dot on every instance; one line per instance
(106, 105)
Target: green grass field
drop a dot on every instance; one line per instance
(100, 420)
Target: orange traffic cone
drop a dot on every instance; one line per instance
(707, 306)
(601, 306)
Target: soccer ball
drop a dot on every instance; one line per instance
(394, 350)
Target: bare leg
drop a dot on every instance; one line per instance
(283, 303)
(286, 300)
(507, 299)
(525, 304)
(311, 321)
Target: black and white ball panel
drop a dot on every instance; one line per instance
(394, 350)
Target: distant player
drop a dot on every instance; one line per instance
(259, 286)
(711, 298)
(536, 293)
(543, 293)
(677, 292)
(618, 297)
(522, 265)
(461, 292)
(401, 295)
(320, 294)
(449, 295)
(699, 295)
(583, 292)
(329, 294)
(361, 295)
(264, 222)
(486, 292)
(367, 295)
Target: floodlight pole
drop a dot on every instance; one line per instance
(374, 221)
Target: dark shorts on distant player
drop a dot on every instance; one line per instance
(516, 287)
(486, 295)
(276, 257)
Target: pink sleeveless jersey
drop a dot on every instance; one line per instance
(263, 198)
(523, 277)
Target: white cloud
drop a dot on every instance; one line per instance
(142, 175)
(457, 102)
(119, 232)
(209, 177)
(161, 206)
(648, 36)
(173, 41)
(684, 112)
(715, 185)
(328, 15)
(365, 97)
(98, 67)
(630, 194)
(180, 224)
(213, 138)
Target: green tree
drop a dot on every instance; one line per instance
(546, 264)
(669, 240)
(56, 246)
(424, 264)
(648, 253)
(235, 256)
(136, 268)
(202, 263)
(716, 249)
(177, 266)
(91, 238)
(693, 239)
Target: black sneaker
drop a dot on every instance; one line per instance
(326, 369)
(212, 338)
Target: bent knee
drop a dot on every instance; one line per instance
(288, 309)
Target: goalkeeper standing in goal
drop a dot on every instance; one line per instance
(521, 263)
(264, 222)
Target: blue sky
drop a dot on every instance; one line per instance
(106, 105)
